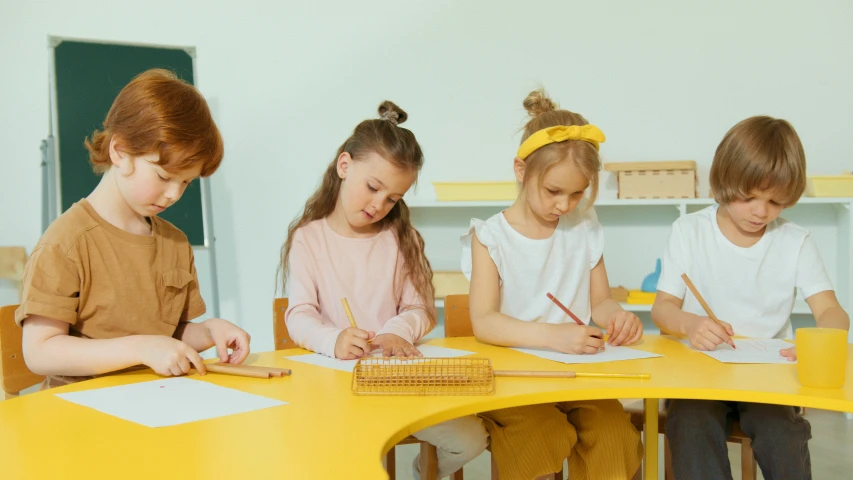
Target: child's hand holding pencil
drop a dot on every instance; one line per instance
(352, 342)
(575, 339)
(710, 331)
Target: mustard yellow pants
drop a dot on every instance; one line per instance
(595, 435)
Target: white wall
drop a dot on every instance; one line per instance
(289, 80)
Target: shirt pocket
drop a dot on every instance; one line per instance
(173, 294)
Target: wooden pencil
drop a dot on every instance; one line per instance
(563, 308)
(350, 317)
(238, 370)
(247, 370)
(349, 312)
(558, 374)
(704, 304)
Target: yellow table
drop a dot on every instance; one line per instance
(327, 432)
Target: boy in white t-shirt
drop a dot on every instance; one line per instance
(748, 264)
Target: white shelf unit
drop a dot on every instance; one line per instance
(636, 232)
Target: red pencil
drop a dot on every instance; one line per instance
(563, 308)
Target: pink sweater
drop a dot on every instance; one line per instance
(325, 267)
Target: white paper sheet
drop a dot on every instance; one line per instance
(349, 365)
(170, 401)
(610, 354)
(749, 350)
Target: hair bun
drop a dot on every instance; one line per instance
(537, 103)
(390, 112)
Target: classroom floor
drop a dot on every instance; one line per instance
(832, 437)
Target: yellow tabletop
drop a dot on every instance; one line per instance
(327, 432)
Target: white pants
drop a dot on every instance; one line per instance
(457, 441)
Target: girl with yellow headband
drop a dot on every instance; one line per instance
(546, 243)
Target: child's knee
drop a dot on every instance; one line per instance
(463, 437)
(686, 417)
(774, 421)
(469, 438)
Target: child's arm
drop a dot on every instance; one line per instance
(703, 333)
(49, 350)
(303, 320)
(827, 313)
(492, 326)
(623, 328)
(814, 285)
(399, 334)
(214, 331)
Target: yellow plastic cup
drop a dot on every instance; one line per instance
(821, 357)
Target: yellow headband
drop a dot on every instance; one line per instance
(560, 133)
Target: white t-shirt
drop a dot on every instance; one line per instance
(531, 268)
(751, 288)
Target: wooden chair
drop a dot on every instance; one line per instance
(429, 455)
(12, 262)
(279, 329)
(14, 374)
(457, 323)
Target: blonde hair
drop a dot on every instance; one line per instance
(759, 153)
(545, 113)
(159, 113)
(399, 146)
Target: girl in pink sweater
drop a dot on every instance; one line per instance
(355, 240)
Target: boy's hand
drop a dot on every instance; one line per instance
(789, 353)
(169, 356)
(624, 328)
(395, 346)
(576, 339)
(706, 334)
(352, 343)
(226, 335)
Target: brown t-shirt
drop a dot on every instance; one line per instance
(108, 283)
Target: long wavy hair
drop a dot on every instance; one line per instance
(398, 145)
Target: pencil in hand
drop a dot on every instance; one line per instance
(565, 309)
(349, 312)
(350, 317)
(705, 306)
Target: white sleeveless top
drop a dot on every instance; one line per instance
(531, 268)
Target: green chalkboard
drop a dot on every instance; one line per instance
(88, 78)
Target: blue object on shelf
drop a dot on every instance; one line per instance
(650, 283)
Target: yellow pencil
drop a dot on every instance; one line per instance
(349, 313)
(350, 317)
(561, 374)
(614, 375)
(705, 305)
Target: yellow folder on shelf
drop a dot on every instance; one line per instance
(639, 297)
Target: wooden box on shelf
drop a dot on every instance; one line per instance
(676, 179)
(620, 294)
